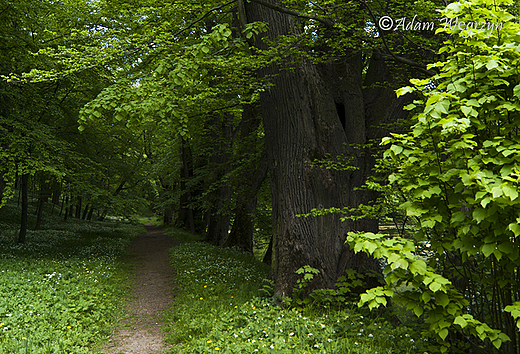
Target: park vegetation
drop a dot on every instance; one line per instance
(274, 128)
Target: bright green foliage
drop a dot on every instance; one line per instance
(459, 167)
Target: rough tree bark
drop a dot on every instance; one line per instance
(248, 182)
(302, 124)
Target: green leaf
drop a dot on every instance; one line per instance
(434, 286)
(370, 246)
(404, 90)
(487, 249)
(516, 90)
(461, 321)
(466, 110)
(510, 191)
(515, 228)
(479, 214)
(491, 64)
(442, 299)
(443, 333)
(396, 149)
(418, 267)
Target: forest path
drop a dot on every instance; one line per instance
(139, 332)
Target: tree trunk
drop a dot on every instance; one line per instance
(2, 186)
(302, 123)
(85, 212)
(25, 207)
(39, 214)
(220, 135)
(63, 200)
(91, 211)
(252, 174)
(168, 215)
(78, 208)
(186, 218)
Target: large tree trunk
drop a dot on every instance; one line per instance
(302, 124)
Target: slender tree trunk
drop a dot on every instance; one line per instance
(2, 186)
(56, 192)
(63, 200)
(249, 180)
(186, 218)
(78, 208)
(25, 207)
(44, 195)
(91, 211)
(85, 212)
(39, 214)
(220, 131)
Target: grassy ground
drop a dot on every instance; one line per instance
(221, 307)
(61, 291)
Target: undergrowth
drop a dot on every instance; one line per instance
(61, 291)
(224, 306)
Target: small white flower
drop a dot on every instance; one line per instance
(272, 346)
(291, 334)
(316, 346)
(370, 335)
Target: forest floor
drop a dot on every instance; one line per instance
(139, 331)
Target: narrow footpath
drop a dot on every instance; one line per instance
(139, 332)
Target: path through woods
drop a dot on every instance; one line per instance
(139, 332)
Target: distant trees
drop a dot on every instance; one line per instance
(40, 145)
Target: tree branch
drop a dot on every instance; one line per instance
(326, 21)
(203, 17)
(396, 57)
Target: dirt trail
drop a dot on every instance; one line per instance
(140, 330)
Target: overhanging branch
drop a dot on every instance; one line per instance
(396, 57)
(327, 22)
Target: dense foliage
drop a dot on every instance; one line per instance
(457, 172)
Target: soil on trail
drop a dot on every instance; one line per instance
(139, 332)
